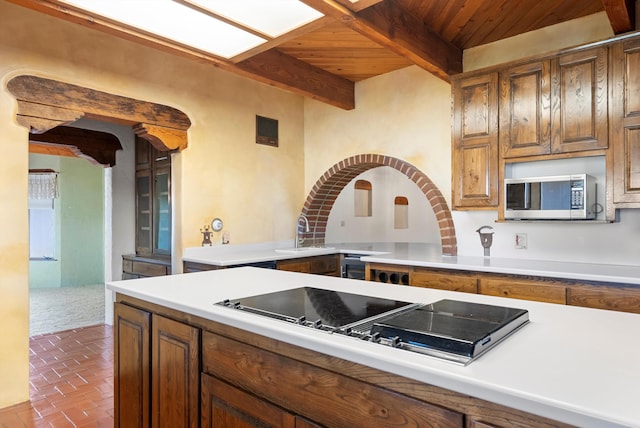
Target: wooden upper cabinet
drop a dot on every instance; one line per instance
(475, 142)
(525, 110)
(556, 105)
(625, 121)
(579, 101)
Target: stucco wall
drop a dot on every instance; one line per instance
(256, 190)
(405, 114)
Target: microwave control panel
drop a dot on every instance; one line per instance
(577, 194)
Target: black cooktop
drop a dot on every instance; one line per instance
(452, 326)
(454, 330)
(322, 307)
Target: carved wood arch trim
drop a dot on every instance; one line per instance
(97, 147)
(44, 104)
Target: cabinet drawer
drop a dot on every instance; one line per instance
(295, 266)
(197, 267)
(150, 269)
(325, 397)
(324, 265)
(522, 289)
(615, 299)
(444, 281)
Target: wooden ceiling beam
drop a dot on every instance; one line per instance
(275, 68)
(388, 25)
(99, 147)
(358, 5)
(320, 85)
(621, 13)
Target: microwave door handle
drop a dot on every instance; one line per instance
(527, 196)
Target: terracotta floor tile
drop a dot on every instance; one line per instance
(71, 382)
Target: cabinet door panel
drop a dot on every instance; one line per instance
(475, 161)
(294, 266)
(132, 383)
(579, 99)
(175, 382)
(605, 298)
(526, 290)
(525, 110)
(224, 405)
(475, 142)
(625, 122)
(444, 281)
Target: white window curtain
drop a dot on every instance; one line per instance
(43, 185)
(43, 190)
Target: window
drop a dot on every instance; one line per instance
(401, 213)
(43, 190)
(362, 198)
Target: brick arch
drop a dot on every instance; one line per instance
(320, 200)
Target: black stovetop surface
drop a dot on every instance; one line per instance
(331, 308)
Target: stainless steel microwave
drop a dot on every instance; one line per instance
(559, 197)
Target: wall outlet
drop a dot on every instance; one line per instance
(520, 241)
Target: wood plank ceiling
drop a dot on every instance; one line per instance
(360, 39)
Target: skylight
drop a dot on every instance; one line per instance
(220, 27)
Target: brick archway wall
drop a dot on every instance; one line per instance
(324, 193)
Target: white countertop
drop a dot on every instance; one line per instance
(575, 365)
(414, 254)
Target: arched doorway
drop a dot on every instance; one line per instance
(45, 106)
(322, 196)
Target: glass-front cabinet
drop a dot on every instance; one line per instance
(153, 200)
(153, 214)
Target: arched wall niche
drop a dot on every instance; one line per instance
(44, 104)
(322, 196)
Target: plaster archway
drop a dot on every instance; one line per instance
(322, 196)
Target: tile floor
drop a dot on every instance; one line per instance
(71, 381)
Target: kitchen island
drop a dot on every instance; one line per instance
(569, 365)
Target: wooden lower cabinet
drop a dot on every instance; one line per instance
(188, 267)
(156, 367)
(321, 265)
(178, 370)
(320, 395)
(615, 299)
(443, 280)
(538, 291)
(224, 405)
(175, 370)
(605, 295)
(131, 366)
(134, 266)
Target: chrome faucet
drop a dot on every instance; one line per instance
(306, 229)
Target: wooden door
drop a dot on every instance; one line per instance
(175, 368)
(224, 405)
(525, 110)
(625, 122)
(579, 94)
(475, 142)
(132, 384)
